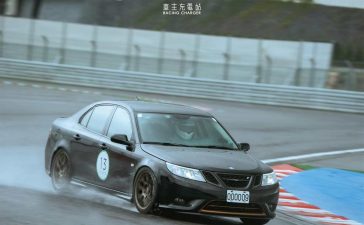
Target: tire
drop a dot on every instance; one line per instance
(145, 191)
(254, 221)
(61, 171)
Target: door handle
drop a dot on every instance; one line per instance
(103, 146)
(77, 137)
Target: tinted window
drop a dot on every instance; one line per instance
(99, 118)
(86, 118)
(120, 123)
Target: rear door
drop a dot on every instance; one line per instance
(85, 146)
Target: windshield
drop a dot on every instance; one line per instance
(183, 130)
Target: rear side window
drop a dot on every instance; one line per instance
(86, 118)
(120, 123)
(99, 118)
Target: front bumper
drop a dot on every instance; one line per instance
(193, 196)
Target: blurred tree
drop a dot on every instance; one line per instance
(348, 53)
(338, 52)
(37, 4)
(307, 1)
(359, 55)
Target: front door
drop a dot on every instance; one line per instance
(121, 161)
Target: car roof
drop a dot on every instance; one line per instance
(159, 107)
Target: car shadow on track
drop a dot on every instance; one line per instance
(164, 216)
(33, 207)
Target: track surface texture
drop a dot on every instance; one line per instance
(28, 109)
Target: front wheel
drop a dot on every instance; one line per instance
(61, 171)
(145, 191)
(254, 221)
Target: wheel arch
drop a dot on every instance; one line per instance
(60, 146)
(134, 177)
(153, 168)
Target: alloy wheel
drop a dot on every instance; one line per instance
(145, 191)
(61, 168)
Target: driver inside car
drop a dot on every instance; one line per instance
(185, 129)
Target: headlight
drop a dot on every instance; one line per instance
(185, 172)
(269, 179)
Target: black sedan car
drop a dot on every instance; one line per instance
(160, 155)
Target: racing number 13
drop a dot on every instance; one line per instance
(103, 163)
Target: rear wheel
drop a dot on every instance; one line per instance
(61, 171)
(145, 191)
(254, 221)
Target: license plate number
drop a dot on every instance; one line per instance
(237, 196)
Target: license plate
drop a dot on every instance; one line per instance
(237, 196)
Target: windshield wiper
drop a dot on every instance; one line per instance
(182, 145)
(213, 146)
(165, 143)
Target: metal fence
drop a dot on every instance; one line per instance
(315, 98)
(221, 58)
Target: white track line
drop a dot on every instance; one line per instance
(61, 89)
(282, 174)
(6, 82)
(313, 155)
(36, 86)
(21, 84)
(298, 209)
(291, 201)
(284, 194)
(285, 171)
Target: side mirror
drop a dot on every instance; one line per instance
(122, 139)
(244, 146)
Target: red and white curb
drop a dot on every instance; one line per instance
(304, 210)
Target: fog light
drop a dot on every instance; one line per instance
(272, 207)
(179, 201)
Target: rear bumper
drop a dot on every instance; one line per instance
(194, 196)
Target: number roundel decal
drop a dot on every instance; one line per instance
(102, 165)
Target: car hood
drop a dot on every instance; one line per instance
(218, 160)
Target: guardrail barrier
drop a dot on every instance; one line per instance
(314, 98)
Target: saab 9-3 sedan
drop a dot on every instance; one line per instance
(161, 155)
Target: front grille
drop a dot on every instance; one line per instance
(232, 209)
(235, 180)
(210, 177)
(257, 180)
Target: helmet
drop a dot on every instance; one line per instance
(185, 129)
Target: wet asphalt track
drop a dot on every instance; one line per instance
(27, 111)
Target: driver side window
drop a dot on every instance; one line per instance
(120, 124)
